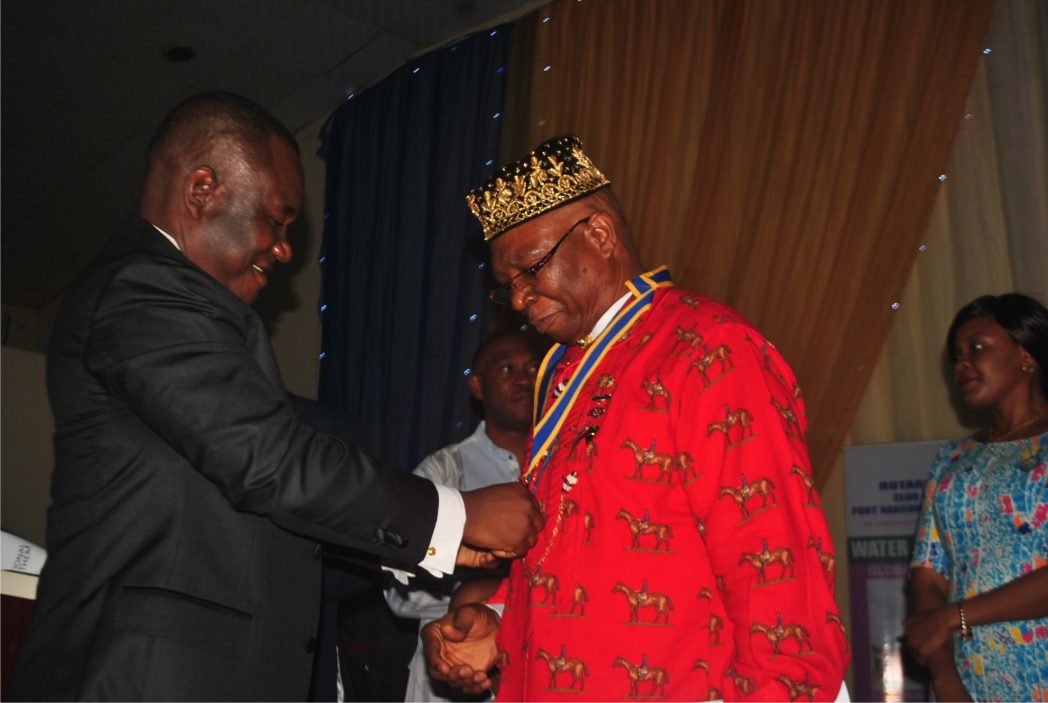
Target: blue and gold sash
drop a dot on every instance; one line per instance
(548, 422)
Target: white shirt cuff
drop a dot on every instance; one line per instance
(447, 533)
(446, 538)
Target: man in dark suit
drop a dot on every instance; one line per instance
(188, 500)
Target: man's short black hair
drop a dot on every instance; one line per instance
(201, 119)
(478, 356)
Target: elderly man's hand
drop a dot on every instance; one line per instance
(503, 518)
(460, 647)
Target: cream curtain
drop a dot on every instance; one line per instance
(988, 232)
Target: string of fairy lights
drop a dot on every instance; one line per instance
(474, 316)
(942, 177)
(483, 266)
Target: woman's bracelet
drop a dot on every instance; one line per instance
(966, 632)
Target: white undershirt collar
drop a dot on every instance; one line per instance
(607, 317)
(169, 237)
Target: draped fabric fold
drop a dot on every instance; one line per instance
(405, 285)
(988, 233)
(782, 157)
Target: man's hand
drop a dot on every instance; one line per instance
(503, 518)
(460, 647)
(475, 558)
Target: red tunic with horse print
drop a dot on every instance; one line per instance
(691, 560)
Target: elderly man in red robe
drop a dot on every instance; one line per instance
(668, 453)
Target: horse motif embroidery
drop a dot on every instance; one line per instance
(769, 365)
(825, 558)
(640, 527)
(579, 600)
(690, 301)
(789, 420)
(655, 389)
(557, 665)
(763, 487)
(779, 632)
(547, 582)
(721, 354)
(712, 694)
(705, 594)
(649, 457)
(684, 463)
(743, 684)
(713, 627)
(797, 689)
(570, 508)
(638, 343)
(586, 439)
(762, 559)
(643, 673)
(643, 599)
(642, 341)
(805, 478)
(741, 418)
(688, 340)
(835, 618)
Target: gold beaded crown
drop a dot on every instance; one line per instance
(554, 174)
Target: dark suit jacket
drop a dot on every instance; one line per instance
(188, 499)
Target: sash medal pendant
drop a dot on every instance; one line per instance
(569, 483)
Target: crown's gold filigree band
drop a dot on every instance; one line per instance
(555, 173)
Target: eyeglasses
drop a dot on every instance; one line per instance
(503, 294)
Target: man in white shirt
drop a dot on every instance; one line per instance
(503, 381)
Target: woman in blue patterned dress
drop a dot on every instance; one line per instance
(979, 589)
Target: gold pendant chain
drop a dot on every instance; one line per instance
(549, 545)
(569, 482)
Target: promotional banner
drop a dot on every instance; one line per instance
(884, 486)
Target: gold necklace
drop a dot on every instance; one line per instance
(998, 436)
(569, 482)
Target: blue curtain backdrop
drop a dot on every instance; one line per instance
(405, 281)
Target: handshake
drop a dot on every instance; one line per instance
(502, 522)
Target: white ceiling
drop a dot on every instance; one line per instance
(84, 82)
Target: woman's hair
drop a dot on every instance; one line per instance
(1023, 318)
